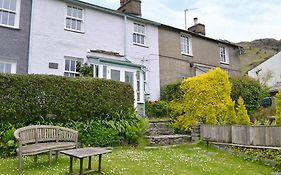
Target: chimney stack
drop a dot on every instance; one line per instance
(131, 7)
(122, 2)
(195, 21)
(197, 28)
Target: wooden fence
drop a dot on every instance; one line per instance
(243, 135)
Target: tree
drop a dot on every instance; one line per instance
(230, 117)
(250, 90)
(204, 99)
(242, 115)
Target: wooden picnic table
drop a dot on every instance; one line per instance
(82, 153)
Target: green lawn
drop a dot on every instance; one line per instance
(182, 160)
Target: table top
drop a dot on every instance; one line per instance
(86, 152)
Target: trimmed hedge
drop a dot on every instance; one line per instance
(27, 98)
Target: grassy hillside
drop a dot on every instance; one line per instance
(258, 51)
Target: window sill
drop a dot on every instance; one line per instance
(75, 31)
(224, 63)
(10, 27)
(142, 45)
(186, 54)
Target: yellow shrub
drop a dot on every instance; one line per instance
(230, 117)
(205, 99)
(278, 108)
(242, 115)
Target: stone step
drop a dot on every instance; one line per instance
(158, 125)
(168, 139)
(162, 131)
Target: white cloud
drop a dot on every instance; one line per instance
(243, 20)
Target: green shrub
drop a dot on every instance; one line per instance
(158, 109)
(250, 90)
(171, 92)
(204, 97)
(28, 98)
(135, 133)
(230, 117)
(264, 114)
(278, 108)
(242, 115)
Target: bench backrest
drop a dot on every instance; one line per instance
(45, 133)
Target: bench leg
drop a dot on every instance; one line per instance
(19, 164)
(81, 166)
(50, 157)
(70, 165)
(57, 155)
(35, 158)
(90, 163)
(99, 170)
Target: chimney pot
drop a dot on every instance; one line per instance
(195, 21)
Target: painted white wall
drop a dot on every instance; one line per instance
(104, 31)
(273, 64)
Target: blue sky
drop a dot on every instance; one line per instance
(233, 20)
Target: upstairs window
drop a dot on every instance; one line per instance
(139, 34)
(74, 18)
(9, 13)
(186, 45)
(71, 66)
(7, 67)
(223, 55)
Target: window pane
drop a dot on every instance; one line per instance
(4, 17)
(73, 66)
(69, 11)
(115, 75)
(138, 75)
(1, 68)
(1, 13)
(142, 39)
(6, 4)
(135, 38)
(135, 27)
(67, 65)
(79, 13)
(74, 12)
(73, 24)
(1, 3)
(105, 72)
(96, 71)
(8, 68)
(13, 5)
(79, 25)
(68, 23)
(12, 19)
(129, 78)
(138, 38)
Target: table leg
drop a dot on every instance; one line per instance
(70, 165)
(81, 166)
(99, 170)
(90, 163)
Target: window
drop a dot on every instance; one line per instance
(5, 68)
(70, 69)
(96, 71)
(145, 83)
(223, 55)
(186, 45)
(8, 13)
(115, 75)
(129, 78)
(139, 34)
(74, 18)
(104, 72)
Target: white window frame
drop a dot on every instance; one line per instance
(74, 18)
(13, 66)
(137, 33)
(17, 15)
(75, 73)
(186, 44)
(223, 54)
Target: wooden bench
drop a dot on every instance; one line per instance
(36, 139)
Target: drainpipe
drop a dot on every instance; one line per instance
(125, 38)
(30, 37)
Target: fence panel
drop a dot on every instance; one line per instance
(216, 133)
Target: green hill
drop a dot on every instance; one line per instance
(258, 51)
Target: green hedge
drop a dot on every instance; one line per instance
(27, 98)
